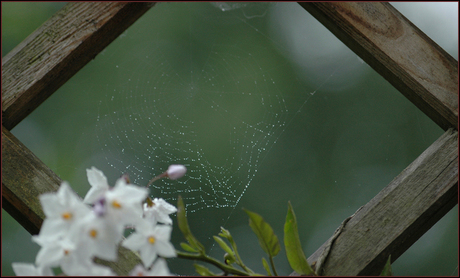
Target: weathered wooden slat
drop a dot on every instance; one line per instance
(397, 50)
(46, 59)
(31, 73)
(24, 178)
(399, 215)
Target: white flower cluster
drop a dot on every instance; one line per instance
(73, 233)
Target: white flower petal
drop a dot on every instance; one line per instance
(99, 185)
(25, 269)
(165, 206)
(53, 228)
(96, 178)
(163, 232)
(94, 193)
(66, 195)
(159, 268)
(131, 193)
(165, 249)
(138, 270)
(159, 211)
(134, 242)
(50, 204)
(100, 270)
(148, 255)
(49, 256)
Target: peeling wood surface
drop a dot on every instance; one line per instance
(399, 215)
(51, 55)
(412, 62)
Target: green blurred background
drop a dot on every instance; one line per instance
(333, 133)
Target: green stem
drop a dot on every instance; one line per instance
(238, 258)
(242, 265)
(273, 266)
(206, 258)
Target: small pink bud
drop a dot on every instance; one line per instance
(126, 178)
(176, 171)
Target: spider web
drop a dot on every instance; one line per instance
(212, 89)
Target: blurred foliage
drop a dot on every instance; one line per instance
(20, 19)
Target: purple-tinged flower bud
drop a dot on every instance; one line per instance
(176, 171)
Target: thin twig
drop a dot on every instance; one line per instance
(157, 178)
(206, 258)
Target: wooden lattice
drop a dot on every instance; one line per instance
(421, 70)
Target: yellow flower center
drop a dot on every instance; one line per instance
(67, 215)
(93, 233)
(66, 252)
(151, 240)
(116, 204)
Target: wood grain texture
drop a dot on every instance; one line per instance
(51, 55)
(24, 177)
(412, 62)
(399, 215)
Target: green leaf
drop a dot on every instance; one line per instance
(387, 268)
(267, 238)
(185, 229)
(225, 233)
(224, 246)
(203, 271)
(294, 252)
(267, 268)
(187, 247)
